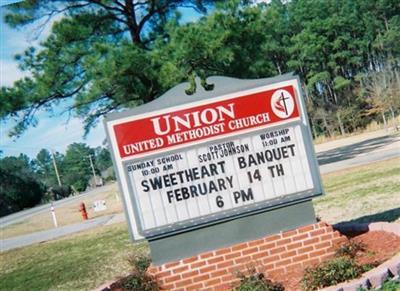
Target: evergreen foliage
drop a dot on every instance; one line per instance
(19, 187)
(107, 55)
(255, 281)
(24, 183)
(331, 273)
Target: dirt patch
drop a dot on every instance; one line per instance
(379, 247)
(290, 280)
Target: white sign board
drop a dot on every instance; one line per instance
(99, 205)
(203, 162)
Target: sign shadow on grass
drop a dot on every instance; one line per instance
(390, 215)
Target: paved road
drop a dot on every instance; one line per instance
(24, 214)
(41, 236)
(332, 156)
(340, 155)
(46, 235)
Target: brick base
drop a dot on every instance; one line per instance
(274, 255)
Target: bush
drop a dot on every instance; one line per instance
(135, 282)
(140, 263)
(388, 285)
(350, 249)
(391, 285)
(255, 281)
(110, 178)
(138, 279)
(19, 186)
(331, 273)
(60, 192)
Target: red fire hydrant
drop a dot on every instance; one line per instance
(82, 209)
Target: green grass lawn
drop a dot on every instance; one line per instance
(364, 194)
(87, 260)
(81, 262)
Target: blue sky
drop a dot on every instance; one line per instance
(6, 2)
(52, 132)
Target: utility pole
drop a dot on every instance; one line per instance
(55, 168)
(94, 173)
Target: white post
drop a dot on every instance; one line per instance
(53, 214)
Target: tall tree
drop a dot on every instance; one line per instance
(99, 53)
(76, 168)
(44, 167)
(98, 56)
(382, 91)
(19, 187)
(103, 159)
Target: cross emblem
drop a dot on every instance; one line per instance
(283, 99)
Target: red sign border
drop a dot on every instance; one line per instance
(209, 101)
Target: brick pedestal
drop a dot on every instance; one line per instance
(275, 255)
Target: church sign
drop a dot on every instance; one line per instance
(190, 165)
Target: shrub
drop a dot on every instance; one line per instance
(388, 285)
(255, 281)
(391, 285)
(60, 192)
(139, 262)
(350, 249)
(19, 186)
(135, 282)
(138, 279)
(330, 273)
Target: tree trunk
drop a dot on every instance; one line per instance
(314, 130)
(392, 112)
(332, 93)
(396, 74)
(386, 24)
(277, 65)
(384, 120)
(326, 126)
(305, 90)
(132, 23)
(342, 131)
(394, 118)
